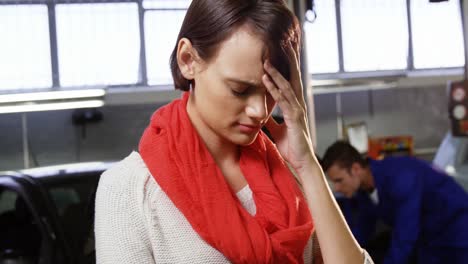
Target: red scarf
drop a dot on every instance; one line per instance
(184, 168)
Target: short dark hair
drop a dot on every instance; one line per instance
(210, 22)
(343, 155)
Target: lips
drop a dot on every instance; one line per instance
(248, 128)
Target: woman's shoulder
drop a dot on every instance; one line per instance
(131, 168)
(129, 176)
(119, 222)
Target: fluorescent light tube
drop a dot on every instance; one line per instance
(54, 95)
(50, 106)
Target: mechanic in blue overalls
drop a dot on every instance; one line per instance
(427, 209)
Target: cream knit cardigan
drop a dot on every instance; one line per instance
(136, 222)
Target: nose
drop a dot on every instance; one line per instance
(337, 188)
(257, 107)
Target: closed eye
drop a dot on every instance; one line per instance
(241, 92)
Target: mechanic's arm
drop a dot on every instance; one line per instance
(406, 229)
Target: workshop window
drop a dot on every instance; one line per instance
(24, 47)
(98, 44)
(322, 39)
(375, 35)
(437, 34)
(161, 30)
(166, 4)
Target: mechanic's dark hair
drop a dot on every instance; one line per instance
(342, 154)
(209, 22)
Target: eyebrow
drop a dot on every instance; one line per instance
(248, 83)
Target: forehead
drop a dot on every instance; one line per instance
(241, 56)
(336, 171)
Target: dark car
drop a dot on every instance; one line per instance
(46, 214)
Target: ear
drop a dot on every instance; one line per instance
(356, 169)
(186, 58)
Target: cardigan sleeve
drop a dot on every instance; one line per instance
(120, 228)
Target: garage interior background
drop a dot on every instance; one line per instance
(407, 101)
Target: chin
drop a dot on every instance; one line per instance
(244, 140)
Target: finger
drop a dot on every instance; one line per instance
(281, 83)
(276, 93)
(295, 71)
(298, 53)
(288, 106)
(275, 75)
(293, 53)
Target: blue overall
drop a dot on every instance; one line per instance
(427, 210)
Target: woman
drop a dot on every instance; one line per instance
(207, 186)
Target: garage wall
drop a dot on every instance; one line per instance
(421, 112)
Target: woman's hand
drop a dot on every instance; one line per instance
(292, 137)
(295, 145)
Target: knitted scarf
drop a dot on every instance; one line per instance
(181, 164)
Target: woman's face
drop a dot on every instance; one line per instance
(229, 99)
